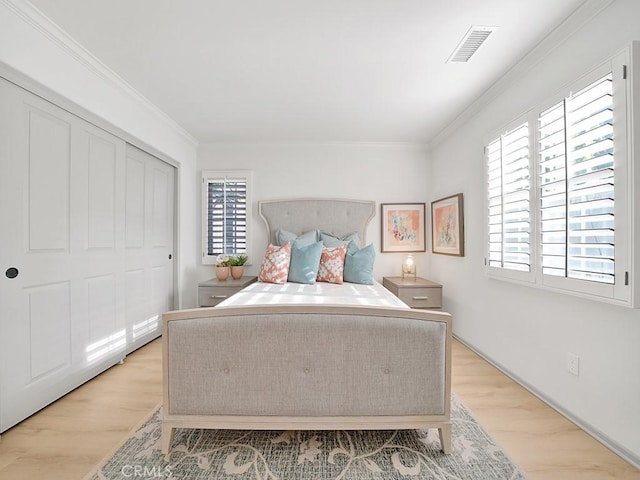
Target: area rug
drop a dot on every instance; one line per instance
(314, 455)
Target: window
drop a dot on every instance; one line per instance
(508, 197)
(226, 207)
(566, 226)
(576, 162)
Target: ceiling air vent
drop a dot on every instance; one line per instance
(470, 43)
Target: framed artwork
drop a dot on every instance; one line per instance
(403, 227)
(447, 226)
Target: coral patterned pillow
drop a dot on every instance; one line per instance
(332, 264)
(275, 264)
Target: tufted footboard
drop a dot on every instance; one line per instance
(307, 367)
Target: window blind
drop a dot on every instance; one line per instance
(226, 216)
(509, 200)
(576, 164)
(494, 193)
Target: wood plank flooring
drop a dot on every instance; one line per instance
(67, 439)
(544, 444)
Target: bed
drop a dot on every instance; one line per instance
(308, 356)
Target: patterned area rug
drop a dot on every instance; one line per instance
(317, 455)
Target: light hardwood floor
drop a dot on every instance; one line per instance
(65, 440)
(542, 442)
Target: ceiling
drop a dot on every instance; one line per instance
(240, 71)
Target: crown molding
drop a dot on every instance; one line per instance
(54, 34)
(557, 37)
(414, 146)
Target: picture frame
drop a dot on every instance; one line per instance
(447, 226)
(403, 227)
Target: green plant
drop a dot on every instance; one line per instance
(238, 260)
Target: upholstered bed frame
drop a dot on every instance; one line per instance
(307, 367)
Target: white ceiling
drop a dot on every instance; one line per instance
(307, 71)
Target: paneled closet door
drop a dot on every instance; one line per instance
(62, 188)
(149, 237)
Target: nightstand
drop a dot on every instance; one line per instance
(212, 292)
(417, 293)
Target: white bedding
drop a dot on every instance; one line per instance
(261, 293)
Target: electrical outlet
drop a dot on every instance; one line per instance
(573, 364)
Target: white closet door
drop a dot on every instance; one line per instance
(97, 248)
(62, 189)
(149, 273)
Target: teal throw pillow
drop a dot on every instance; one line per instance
(305, 261)
(330, 241)
(307, 238)
(358, 266)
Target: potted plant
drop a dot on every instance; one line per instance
(237, 266)
(222, 267)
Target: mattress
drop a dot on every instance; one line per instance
(320, 293)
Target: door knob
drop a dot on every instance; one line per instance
(11, 272)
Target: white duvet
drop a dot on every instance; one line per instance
(321, 293)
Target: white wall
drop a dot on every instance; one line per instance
(528, 331)
(386, 173)
(38, 56)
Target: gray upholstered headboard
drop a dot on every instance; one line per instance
(300, 215)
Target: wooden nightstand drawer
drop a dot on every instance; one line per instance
(417, 293)
(212, 292)
(421, 297)
(211, 296)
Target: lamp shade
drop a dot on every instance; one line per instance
(408, 267)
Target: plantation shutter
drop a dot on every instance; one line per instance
(577, 185)
(494, 191)
(553, 190)
(226, 216)
(508, 200)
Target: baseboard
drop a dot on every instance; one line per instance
(601, 437)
